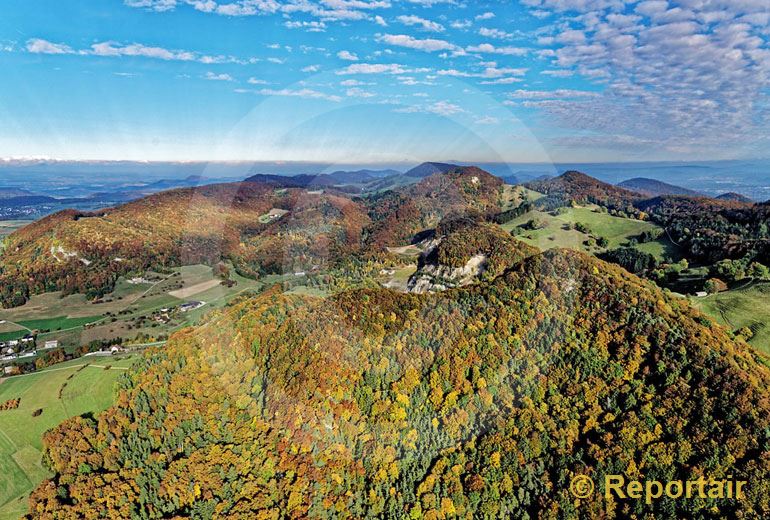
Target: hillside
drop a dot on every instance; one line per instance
(735, 197)
(579, 187)
(477, 402)
(87, 252)
(399, 214)
(466, 251)
(257, 226)
(713, 229)
(654, 188)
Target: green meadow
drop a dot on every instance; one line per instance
(84, 389)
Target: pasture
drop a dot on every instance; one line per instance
(745, 306)
(558, 231)
(66, 390)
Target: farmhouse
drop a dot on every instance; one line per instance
(51, 344)
(191, 306)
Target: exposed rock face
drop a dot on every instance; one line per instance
(435, 277)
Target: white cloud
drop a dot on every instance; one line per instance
(359, 93)
(495, 33)
(422, 22)
(373, 68)
(486, 48)
(312, 26)
(255, 81)
(502, 81)
(559, 73)
(218, 77)
(552, 94)
(379, 20)
(115, 49)
(461, 24)
(486, 16)
(302, 93)
(347, 56)
(427, 45)
(40, 46)
(155, 5)
(490, 72)
(442, 108)
(311, 68)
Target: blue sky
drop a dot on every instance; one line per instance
(383, 81)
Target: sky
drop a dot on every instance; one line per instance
(384, 81)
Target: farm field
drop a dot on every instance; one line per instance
(745, 306)
(74, 320)
(616, 230)
(65, 390)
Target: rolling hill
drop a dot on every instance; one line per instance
(654, 188)
(477, 402)
(735, 197)
(581, 188)
(258, 227)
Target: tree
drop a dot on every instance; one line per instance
(714, 286)
(758, 271)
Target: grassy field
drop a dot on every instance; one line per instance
(745, 306)
(88, 389)
(115, 315)
(557, 231)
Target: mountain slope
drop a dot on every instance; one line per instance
(581, 188)
(86, 252)
(654, 188)
(478, 402)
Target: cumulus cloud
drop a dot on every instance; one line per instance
(422, 22)
(359, 93)
(373, 68)
(495, 33)
(211, 76)
(347, 56)
(552, 94)
(486, 48)
(427, 45)
(683, 75)
(115, 49)
(40, 46)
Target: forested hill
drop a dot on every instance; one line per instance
(258, 227)
(581, 188)
(478, 403)
(707, 229)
